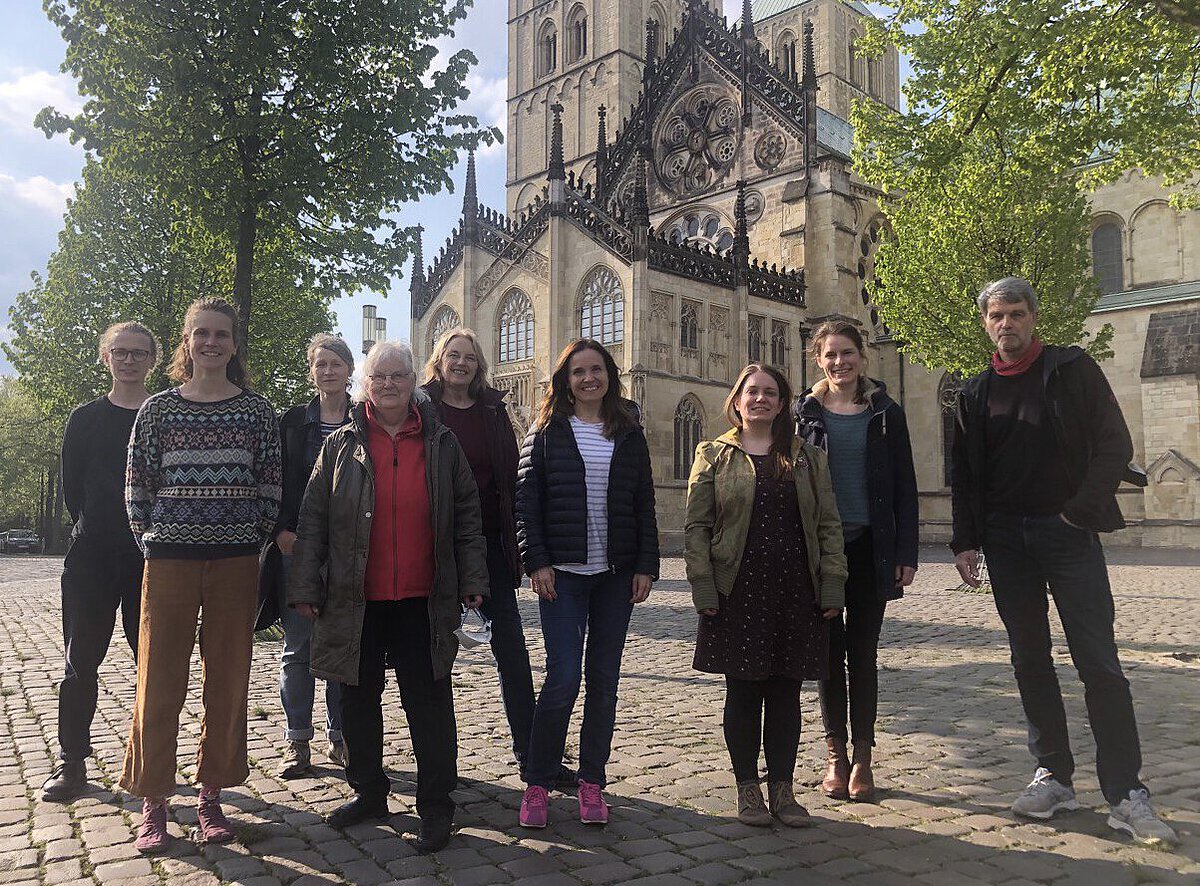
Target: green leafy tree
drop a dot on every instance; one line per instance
(125, 253)
(28, 463)
(1015, 109)
(304, 122)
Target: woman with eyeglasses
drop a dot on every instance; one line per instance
(456, 379)
(852, 418)
(103, 568)
(302, 430)
(202, 494)
(388, 549)
(763, 550)
(589, 542)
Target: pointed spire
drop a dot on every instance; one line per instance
(557, 170)
(741, 233)
(747, 20)
(471, 191)
(810, 63)
(651, 42)
(601, 152)
(416, 282)
(639, 211)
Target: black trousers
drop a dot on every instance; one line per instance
(98, 578)
(854, 651)
(762, 714)
(396, 634)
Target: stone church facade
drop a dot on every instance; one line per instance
(680, 189)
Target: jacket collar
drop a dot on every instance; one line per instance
(426, 412)
(733, 439)
(312, 412)
(875, 393)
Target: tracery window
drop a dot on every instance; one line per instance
(443, 321)
(547, 49)
(689, 325)
(515, 339)
(689, 431)
(779, 338)
(754, 339)
(577, 35)
(602, 307)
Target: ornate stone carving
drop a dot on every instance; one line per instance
(718, 322)
(770, 150)
(660, 306)
(699, 140)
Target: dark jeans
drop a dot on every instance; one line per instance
(854, 650)
(1024, 556)
(508, 645)
(762, 714)
(396, 633)
(98, 576)
(595, 607)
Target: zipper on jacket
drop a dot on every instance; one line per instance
(395, 529)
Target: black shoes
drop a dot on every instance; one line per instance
(67, 782)
(358, 810)
(435, 833)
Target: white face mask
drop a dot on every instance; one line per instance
(475, 630)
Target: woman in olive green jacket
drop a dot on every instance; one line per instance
(763, 547)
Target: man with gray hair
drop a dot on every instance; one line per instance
(1040, 447)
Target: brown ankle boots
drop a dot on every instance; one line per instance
(835, 784)
(862, 783)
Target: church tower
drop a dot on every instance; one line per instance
(580, 54)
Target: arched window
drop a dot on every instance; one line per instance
(515, 337)
(873, 76)
(547, 49)
(785, 54)
(443, 321)
(1108, 268)
(689, 431)
(577, 35)
(689, 325)
(948, 404)
(754, 339)
(852, 56)
(660, 30)
(779, 337)
(602, 308)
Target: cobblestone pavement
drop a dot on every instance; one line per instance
(951, 756)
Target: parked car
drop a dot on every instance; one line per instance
(20, 541)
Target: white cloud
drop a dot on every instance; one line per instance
(39, 192)
(488, 102)
(22, 97)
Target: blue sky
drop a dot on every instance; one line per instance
(38, 175)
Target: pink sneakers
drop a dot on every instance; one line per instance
(152, 836)
(533, 807)
(592, 808)
(214, 826)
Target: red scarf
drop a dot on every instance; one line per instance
(1017, 367)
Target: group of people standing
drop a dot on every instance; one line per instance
(379, 519)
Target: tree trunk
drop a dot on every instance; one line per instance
(243, 274)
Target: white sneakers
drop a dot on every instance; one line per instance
(1137, 818)
(1044, 797)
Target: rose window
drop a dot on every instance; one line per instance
(699, 141)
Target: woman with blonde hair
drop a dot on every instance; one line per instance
(763, 550)
(456, 380)
(202, 493)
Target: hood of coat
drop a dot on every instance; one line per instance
(808, 404)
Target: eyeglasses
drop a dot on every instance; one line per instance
(137, 355)
(394, 377)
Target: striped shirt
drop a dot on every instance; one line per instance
(597, 453)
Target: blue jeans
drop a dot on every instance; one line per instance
(297, 686)
(508, 645)
(1025, 555)
(595, 608)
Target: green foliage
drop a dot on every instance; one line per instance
(1015, 109)
(127, 254)
(306, 121)
(28, 456)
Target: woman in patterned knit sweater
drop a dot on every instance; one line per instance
(202, 491)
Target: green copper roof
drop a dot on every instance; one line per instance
(1152, 295)
(764, 9)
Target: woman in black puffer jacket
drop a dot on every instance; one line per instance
(589, 542)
